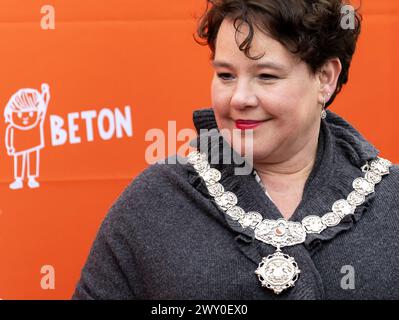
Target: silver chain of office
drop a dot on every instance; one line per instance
(279, 271)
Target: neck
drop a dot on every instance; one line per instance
(289, 174)
(285, 180)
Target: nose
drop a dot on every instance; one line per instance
(244, 95)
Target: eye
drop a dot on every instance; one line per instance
(265, 76)
(31, 114)
(225, 76)
(19, 114)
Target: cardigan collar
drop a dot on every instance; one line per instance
(341, 153)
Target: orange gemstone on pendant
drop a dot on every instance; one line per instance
(280, 230)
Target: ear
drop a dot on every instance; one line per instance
(328, 77)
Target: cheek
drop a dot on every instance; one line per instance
(278, 103)
(220, 100)
(292, 101)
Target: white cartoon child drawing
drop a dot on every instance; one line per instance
(25, 114)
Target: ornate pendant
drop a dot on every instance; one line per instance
(278, 271)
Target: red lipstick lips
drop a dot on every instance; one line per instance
(248, 124)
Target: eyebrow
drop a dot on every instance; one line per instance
(262, 65)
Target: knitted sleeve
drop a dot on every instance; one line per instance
(113, 267)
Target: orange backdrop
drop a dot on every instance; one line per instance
(105, 57)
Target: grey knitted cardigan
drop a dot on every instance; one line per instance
(165, 238)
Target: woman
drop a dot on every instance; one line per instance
(316, 218)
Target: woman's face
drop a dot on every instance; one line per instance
(277, 89)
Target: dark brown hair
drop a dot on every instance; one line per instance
(310, 29)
